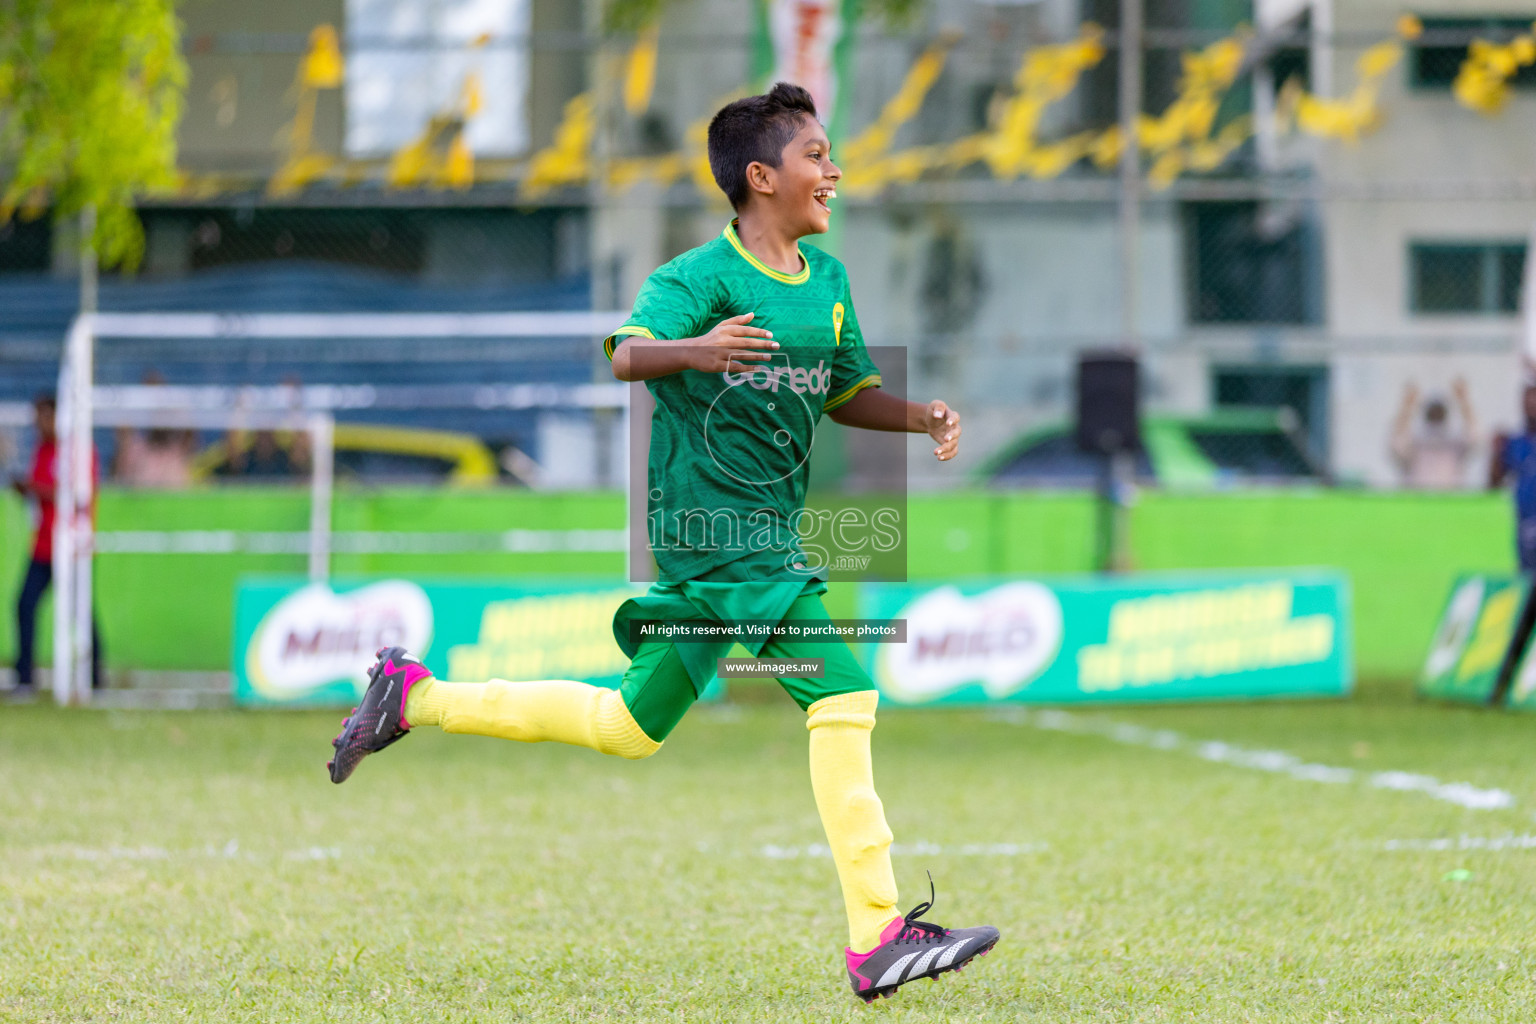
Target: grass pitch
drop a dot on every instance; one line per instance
(1372, 860)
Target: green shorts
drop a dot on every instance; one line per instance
(665, 678)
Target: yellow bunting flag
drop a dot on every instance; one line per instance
(1482, 83)
(568, 160)
(640, 72)
(323, 65)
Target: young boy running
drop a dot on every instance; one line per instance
(745, 342)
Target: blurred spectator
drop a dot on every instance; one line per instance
(39, 485)
(1516, 457)
(1434, 456)
(155, 457)
(259, 456)
(10, 446)
(269, 454)
(298, 441)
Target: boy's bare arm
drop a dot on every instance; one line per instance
(732, 347)
(873, 409)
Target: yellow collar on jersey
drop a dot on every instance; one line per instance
(777, 275)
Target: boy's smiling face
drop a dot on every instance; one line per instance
(798, 190)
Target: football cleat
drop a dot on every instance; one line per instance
(910, 949)
(380, 719)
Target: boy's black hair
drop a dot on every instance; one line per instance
(756, 128)
(45, 400)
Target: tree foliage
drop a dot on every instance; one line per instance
(894, 15)
(631, 15)
(90, 96)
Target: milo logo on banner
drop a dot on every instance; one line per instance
(315, 642)
(1002, 638)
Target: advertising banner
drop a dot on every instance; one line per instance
(1059, 641)
(1114, 640)
(298, 643)
(1522, 689)
(1469, 645)
(806, 42)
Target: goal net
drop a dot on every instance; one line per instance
(84, 406)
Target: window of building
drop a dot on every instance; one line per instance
(1465, 277)
(182, 240)
(458, 247)
(26, 244)
(1298, 441)
(1442, 49)
(408, 62)
(1291, 62)
(1252, 263)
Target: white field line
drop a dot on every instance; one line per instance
(1496, 844)
(229, 851)
(232, 851)
(821, 850)
(1463, 794)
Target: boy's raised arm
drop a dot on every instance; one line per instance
(732, 347)
(873, 409)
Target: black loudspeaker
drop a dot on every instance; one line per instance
(1108, 403)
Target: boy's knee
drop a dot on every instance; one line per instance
(862, 805)
(855, 709)
(865, 803)
(617, 731)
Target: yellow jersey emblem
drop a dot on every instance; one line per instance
(837, 324)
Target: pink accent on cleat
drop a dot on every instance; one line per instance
(413, 674)
(887, 934)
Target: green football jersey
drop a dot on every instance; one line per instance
(730, 453)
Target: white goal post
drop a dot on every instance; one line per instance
(83, 406)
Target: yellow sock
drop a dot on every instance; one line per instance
(557, 710)
(844, 783)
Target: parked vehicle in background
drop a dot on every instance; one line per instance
(1225, 448)
(367, 453)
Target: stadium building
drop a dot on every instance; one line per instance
(1311, 274)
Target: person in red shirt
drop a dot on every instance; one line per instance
(39, 485)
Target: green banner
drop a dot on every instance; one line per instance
(1522, 690)
(1114, 640)
(1074, 640)
(809, 43)
(310, 644)
(1474, 633)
